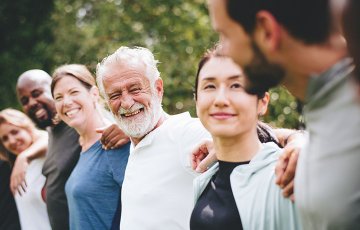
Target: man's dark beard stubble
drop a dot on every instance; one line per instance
(261, 74)
(42, 124)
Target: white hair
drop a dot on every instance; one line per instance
(133, 57)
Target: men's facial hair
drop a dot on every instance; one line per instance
(261, 74)
(141, 127)
(42, 124)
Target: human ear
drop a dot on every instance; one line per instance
(94, 92)
(159, 87)
(263, 104)
(267, 31)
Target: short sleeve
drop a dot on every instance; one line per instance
(117, 160)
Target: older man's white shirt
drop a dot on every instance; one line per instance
(157, 191)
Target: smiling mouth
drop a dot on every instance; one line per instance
(132, 113)
(40, 113)
(222, 116)
(72, 112)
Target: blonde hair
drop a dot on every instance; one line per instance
(18, 119)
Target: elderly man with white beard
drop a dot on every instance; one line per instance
(157, 190)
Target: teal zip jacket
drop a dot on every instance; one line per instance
(259, 200)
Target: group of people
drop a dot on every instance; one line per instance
(224, 169)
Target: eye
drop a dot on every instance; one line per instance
(74, 92)
(36, 93)
(209, 86)
(14, 132)
(58, 98)
(114, 96)
(236, 86)
(135, 90)
(24, 100)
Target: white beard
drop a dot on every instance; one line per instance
(142, 125)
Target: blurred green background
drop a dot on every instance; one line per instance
(47, 33)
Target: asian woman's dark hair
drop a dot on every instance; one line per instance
(264, 131)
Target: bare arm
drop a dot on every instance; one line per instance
(37, 149)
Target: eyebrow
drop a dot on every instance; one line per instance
(214, 78)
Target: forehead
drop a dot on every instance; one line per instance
(121, 75)
(67, 82)
(220, 67)
(6, 127)
(26, 86)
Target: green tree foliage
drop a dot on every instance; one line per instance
(24, 42)
(177, 31)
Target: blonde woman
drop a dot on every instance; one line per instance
(17, 134)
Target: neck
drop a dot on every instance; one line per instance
(163, 117)
(237, 149)
(303, 61)
(87, 132)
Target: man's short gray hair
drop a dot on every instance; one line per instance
(133, 57)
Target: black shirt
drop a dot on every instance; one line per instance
(9, 218)
(216, 207)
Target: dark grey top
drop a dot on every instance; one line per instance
(63, 154)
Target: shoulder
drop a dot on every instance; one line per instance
(184, 125)
(121, 153)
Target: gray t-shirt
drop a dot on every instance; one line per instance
(327, 184)
(63, 154)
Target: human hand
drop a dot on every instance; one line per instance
(112, 137)
(17, 180)
(203, 156)
(286, 165)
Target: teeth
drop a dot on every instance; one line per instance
(131, 114)
(71, 112)
(40, 112)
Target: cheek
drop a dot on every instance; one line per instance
(114, 106)
(58, 107)
(202, 104)
(25, 137)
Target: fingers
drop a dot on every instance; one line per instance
(289, 173)
(18, 181)
(292, 198)
(288, 190)
(20, 189)
(119, 143)
(280, 168)
(196, 157)
(100, 130)
(113, 137)
(205, 163)
(198, 154)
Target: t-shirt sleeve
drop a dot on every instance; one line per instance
(193, 133)
(117, 160)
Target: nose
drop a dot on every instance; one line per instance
(32, 103)
(221, 98)
(12, 140)
(67, 100)
(126, 101)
